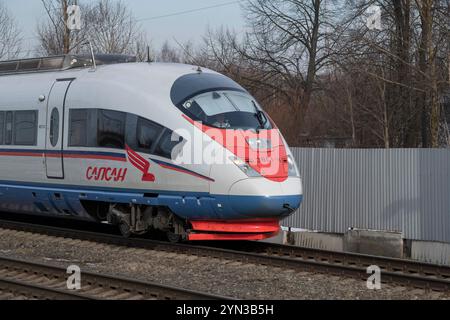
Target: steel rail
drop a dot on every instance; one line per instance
(394, 271)
(386, 264)
(41, 281)
(16, 289)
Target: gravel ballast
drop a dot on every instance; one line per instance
(215, 276)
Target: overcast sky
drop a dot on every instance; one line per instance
(184, 27)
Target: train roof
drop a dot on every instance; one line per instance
(117, 80)
(109, 66)
(60, 63)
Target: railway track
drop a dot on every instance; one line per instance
(394, 271)
(386, 264)
(27, 280)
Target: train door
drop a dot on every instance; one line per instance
(55, 126)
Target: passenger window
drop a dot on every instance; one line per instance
(2, 126)
(8, 127)
(111, 129)
(83, 128)
(54, 127)
(78, 128)
(169, 144)
(147, 133)
(25, 128)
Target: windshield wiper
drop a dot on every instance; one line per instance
(262, 119)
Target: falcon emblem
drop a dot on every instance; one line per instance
(141, 164)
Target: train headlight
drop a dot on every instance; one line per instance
(293, 170)
(245, 167)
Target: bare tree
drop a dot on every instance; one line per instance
(332, 76)
(427, 54)
(54, 36)
(10, 40)
(288, 44)
(405, 60)
(109, 25)
(168, 54)
(179, 53)
(113, 29)
(289, 38)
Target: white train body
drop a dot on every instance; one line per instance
(93, 144)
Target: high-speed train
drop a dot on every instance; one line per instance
(144, 146)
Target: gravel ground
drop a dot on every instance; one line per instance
(228, 278)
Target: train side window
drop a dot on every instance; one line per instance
(54, 127)
(8, 127)
(169, 145)
(2, 126)
(147, 133)
(83, 128)
(111, 129)
(25, 128)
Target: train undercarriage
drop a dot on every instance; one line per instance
(134, 219)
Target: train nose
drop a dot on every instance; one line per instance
(264, 198)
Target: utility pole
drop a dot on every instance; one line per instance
(59, 21)
(66, 36)
(70, 27)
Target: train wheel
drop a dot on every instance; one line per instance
(173, 237)
(125, 230)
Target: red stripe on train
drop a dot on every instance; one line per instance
(58, 155)
(21, 154)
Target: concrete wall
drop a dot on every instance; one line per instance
(373, 242)
(333, 242)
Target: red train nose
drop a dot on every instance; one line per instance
(234, 230)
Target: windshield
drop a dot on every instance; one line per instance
(227, 110)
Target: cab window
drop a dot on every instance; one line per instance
(147, 134)
(169, 145)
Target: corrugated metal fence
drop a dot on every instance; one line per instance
(405, 190)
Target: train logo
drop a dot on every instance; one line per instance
(141, 164)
